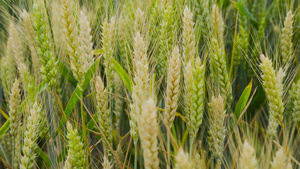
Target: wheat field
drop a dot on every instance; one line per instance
(149, 84)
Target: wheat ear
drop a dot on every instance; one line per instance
(219, 72)
(139, 21)
(68, 162)
(173, 87)
(30, 138)
(273, 89)
(76, 147)
(102, 109)
(148, 130)
(15, 118)
(281, 160)
(217, 129)
(197, 98)
(286, 40)
(166, 40)
(141, 80)
(247, 159)
(182, 160)
(108, 37)
(106, 164)
(188, 37)
(86, 45)
(44, 50)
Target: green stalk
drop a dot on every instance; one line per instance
(84, 127)
(135, 154)
(168, 150)
(51, 115)
(191, 145)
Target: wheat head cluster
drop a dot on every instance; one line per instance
(149, 84)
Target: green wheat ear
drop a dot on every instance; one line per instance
(217, 130)
(197, 98)
(44, 50)
(272, 84)
(30, 138)
(76, 147)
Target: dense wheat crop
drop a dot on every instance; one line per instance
(133, 84)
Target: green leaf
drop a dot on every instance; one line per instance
(123, 75)
(43, 155)
(77, 93)
(4, 128)
(243, 100)
(62, 156)
(244, 11)
(63, 70)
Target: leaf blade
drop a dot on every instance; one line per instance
(243, 100)
(123, 75)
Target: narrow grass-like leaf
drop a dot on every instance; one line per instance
(63, 70)
(4, 128)
(4, 114)
(244, 11)
(77, 92)
(43, 155)
(243, 100)
(123, 75)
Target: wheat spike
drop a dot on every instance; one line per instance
(188, 37)
(148, 130)
(217, 129)
(273, 87)
(247, 158)
(173, 87)
(182, 160)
